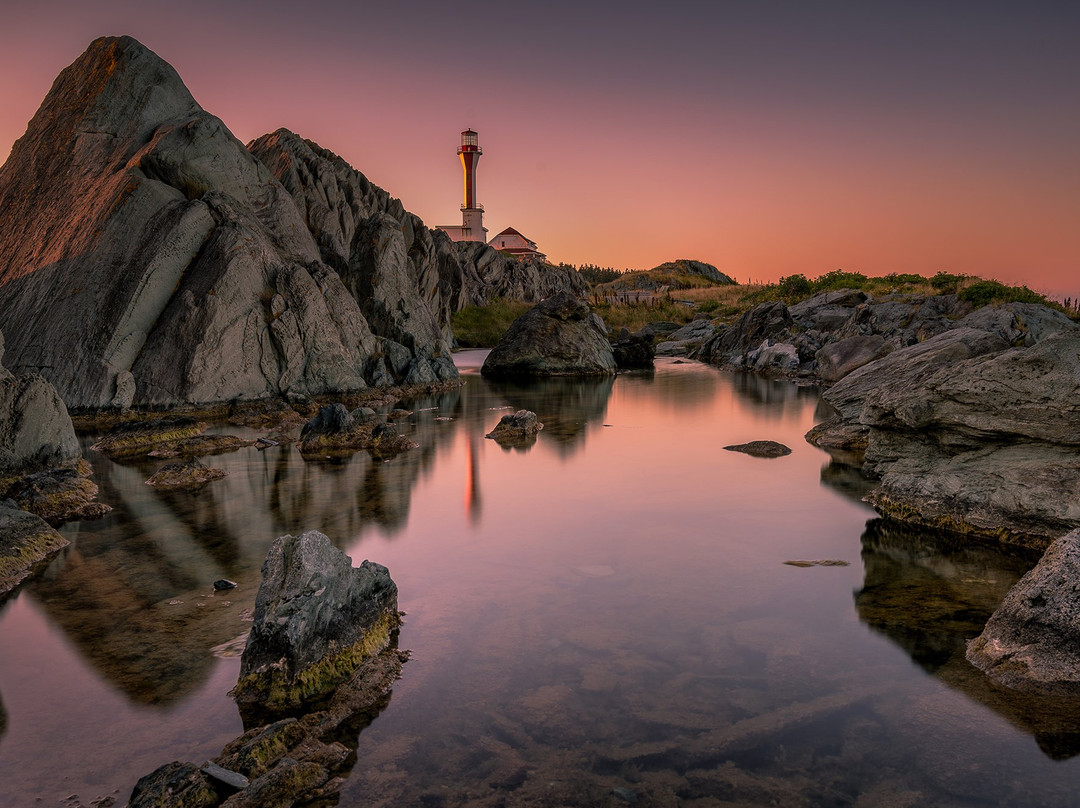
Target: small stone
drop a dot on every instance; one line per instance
(224, 583)
(625, 794)
(223, 775)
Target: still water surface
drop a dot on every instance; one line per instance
(601, 617)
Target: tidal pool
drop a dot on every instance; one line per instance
(604, 617)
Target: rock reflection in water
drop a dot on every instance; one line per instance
(930, 593)
(564, 406)
(134, 592)
(847, 480)
(773, 397)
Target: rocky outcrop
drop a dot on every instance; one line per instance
(25, 541)
(316, 620)
(969, 434)
(148, 258)
(1032, 641)
(558, 337)
(834, 333)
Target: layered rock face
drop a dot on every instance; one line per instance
(834, 333)
(967, 433)
(558, 337)
(148, 258)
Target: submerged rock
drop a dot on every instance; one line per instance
(1032, 641)
(140, 438)
(387, 442)
(200, 445)
(316, 620)
(25, 541)
(760, 448)
(558, 337)
(59, 495)
(191, 475)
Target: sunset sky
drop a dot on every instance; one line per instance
(767, 138)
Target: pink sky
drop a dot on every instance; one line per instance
(765, 138)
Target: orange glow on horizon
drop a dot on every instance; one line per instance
(862, 157)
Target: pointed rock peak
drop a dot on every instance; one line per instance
(118, 87)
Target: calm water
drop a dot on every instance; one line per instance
(603, 616)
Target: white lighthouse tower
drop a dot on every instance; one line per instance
(472, 212)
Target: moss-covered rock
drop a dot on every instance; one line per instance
(25, 542)
(174, 785)
(142, 437)
(58, 495)
(317, 619)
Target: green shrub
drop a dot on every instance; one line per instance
(483, 326)
(838, 279)
(984, 293)
(794, 287)
(947, 283)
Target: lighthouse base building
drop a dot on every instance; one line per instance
(511, 242)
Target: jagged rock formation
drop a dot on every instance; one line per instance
(1032, 641)
(148, 258)
(558, 337)
(317, 619)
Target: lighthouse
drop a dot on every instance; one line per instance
(472, 212)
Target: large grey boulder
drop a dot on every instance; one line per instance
(147, 257)
(557, 337)
(317, 619)
(1032, 641)
(35, 429)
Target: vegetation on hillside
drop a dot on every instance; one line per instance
(483, 326)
